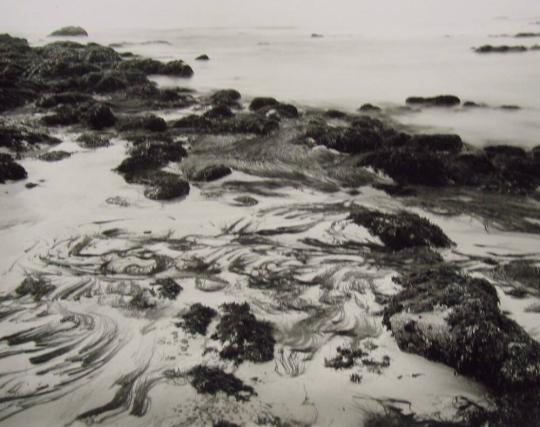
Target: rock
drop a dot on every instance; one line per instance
(168, 288)
(435, 101)
(396, 190)
(263, 102)
(63, 116)
(19, 138)
(30, 185)
(209, 380)
(91, 140)
(203, 57)
(437, 142)
(527, 35)
(507, 181)
(165, 186)
(66, 98)
(219, 112)
(142, 65)
(288, 111)
(369, 108)
(69, 32)
(54, 156)
(99, 117)
(178, 69)
(9, 170)
(401, 230)
(148, 122)
(500, 49)
(246, 201)
(335, 114)
(240, 123)
(355, 139)
(316, 36)
(244, 338)
(149, 156)
(408, 167)
(471, 104)
(453, 318)
(197, 319)
(504, 150)
(228, 97)
(510, 107)
(211, 173)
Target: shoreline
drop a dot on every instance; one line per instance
(284, 238)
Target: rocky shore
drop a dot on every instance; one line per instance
(443, 306)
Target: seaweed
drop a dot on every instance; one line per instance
(345, 358)
(244, 337)
(197, 319)
(209, 380)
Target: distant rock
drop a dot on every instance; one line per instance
(500, 49)
(203, 57)
(211, 173)
(510, 107)
(55, 156)
(435, 101)
(70, 31)
(316, 36)
(527, 35)
(369, 108)
(472, 104)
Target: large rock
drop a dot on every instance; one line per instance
(165, 186)
(453, 318)
(360, 137)
(99, 117)
(70, 31)
(211, 173)
(435, 101)
(228, 97)
(10, 170)
(401, 230)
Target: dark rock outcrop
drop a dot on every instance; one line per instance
(228, 97)
(435, 101)
(10, 170)
(211, 173)
(500, 49)
(240, 123)
(164, 185)
(54, 156)
(401, 230)
(202, 57)
(71, 31)
(149, 122)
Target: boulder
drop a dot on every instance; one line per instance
(369, 108)
(203, 57)
(54, 156)
(401, 230)
(99, 117)
(263, 102)
(437, 142)
(435, 101)
(165, 186)
(211, 173)
(70, 31)
(228, 97)
(10, 170)
(92, 140)
(219, 112)
(148, 122)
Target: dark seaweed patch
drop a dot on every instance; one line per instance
(197, 319)
(208, 380)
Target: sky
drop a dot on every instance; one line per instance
(96, 15)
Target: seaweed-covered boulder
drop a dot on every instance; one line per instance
(148, 122)
(147, 156)
(401, 230)
(263, 102)
(210, 380)
(453, 318)
(243, 336)
(211, 173)
(197, 319)
(54, 156)
(437, 142)
(99, 117)
(92, 140)
(10, 170)
(409, 167)
(162, 185)
(434, 101)
(219, 112)
(70, 31)
(228, 97)
(500, 49)
(357, 138)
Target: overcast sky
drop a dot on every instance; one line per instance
(46, 15)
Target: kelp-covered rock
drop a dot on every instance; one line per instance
(21, 138)
(148, 122)
(99, 117)
(453, 318)
(10, 170)
(147, 156)
(243, 336)
(434, 101)
(228, 97)
(197, 319)
(54, 156)
(162, 185)
(70, 31)
(500, 49)
(401, 230)
(409, 167)
(92, 140)
(240, 123)
(361, 136)
(210, 380)
(211, 173)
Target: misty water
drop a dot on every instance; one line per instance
(87, 357)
